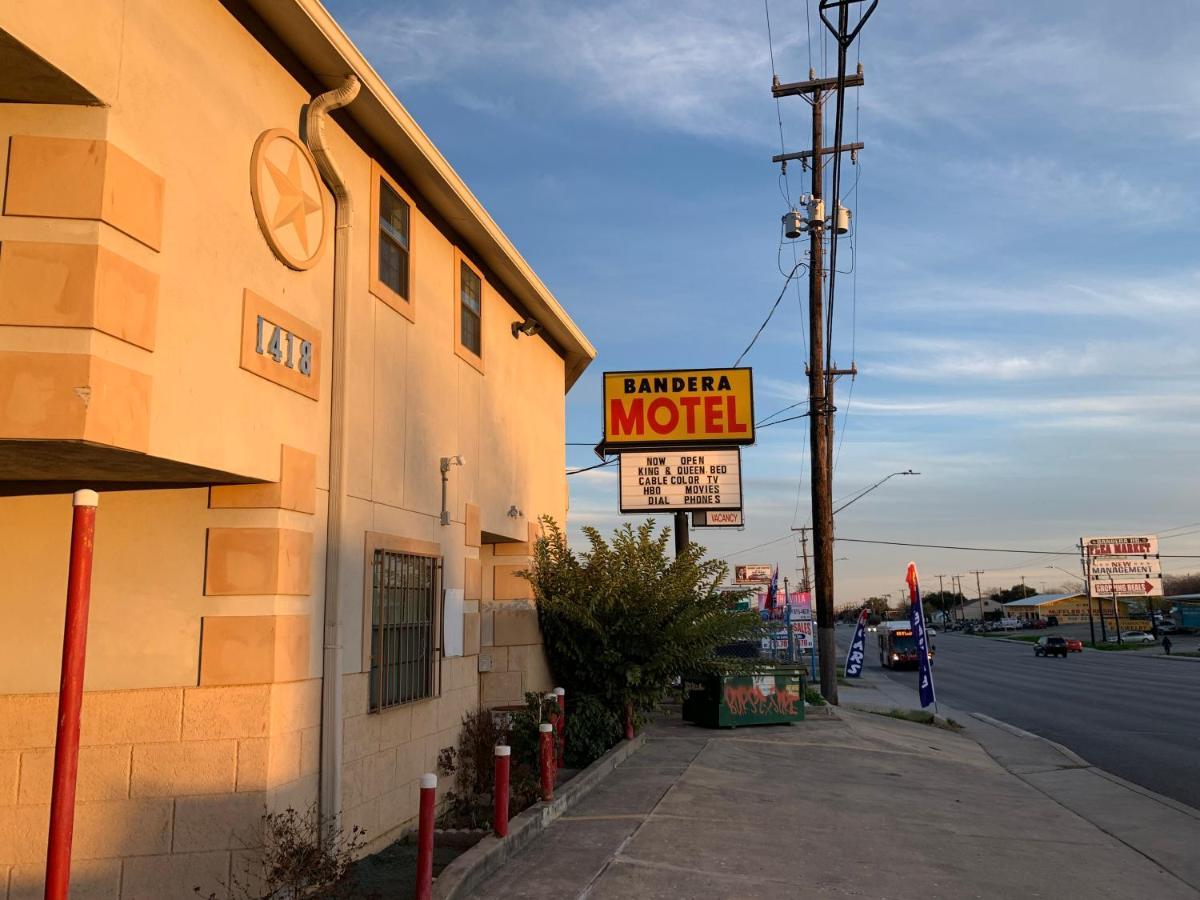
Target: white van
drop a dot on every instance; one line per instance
(1010, 624)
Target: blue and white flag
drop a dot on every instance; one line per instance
(857, 654)
(921, 638)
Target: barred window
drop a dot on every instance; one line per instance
(403, 626)
(471, 290)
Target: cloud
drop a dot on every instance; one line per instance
(1057, 192)
(688, 70)
(917, 358)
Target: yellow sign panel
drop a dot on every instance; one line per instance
(686, 407)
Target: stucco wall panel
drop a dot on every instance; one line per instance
(77, 285)
(73, 396)
(258, 561)
(83, 40)
(390, 405)
(143, 631)
(76, 178)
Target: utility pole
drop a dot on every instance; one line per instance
(1022, 587)
(806, 584)
(942, 597)
(816, 91)
(978, 590)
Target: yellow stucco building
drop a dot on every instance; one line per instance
(244, 297)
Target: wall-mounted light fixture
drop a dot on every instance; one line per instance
(514, 513)
(446, 463)
(527, 326)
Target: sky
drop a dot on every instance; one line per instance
(1019, 293)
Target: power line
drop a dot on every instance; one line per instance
(952, 547)
(774, 306)
(589, 468)
(786, 537)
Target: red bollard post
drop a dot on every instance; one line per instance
(425, 837)
(70, 697)
(560, 725)
(500, 792)
(546, 759)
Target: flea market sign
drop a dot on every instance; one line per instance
(673, 481)
(660, 410)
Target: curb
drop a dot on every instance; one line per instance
(470, 869)
(1021, 732)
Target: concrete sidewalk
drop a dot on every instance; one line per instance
(1163, 831)
(854, 805)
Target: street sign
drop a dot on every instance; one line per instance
(1122, 545)
(753, 573)
(671, 481)
(708, 518)
(1104, 587)
(679, 408)
(1124, 568)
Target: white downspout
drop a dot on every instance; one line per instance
(330, 796)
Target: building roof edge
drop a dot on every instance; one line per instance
(317, 40)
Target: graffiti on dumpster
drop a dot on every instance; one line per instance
(760, 698)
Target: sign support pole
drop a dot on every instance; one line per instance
(681, 533)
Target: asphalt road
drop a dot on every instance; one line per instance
(1129, 714)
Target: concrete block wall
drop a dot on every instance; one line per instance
(173, 784)
(385, 753)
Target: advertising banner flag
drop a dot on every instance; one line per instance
(920, 638)
(773, 589)
(857, 654)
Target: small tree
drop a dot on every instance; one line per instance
(622, 620)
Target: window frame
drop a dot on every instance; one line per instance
(384, 292)
(461, 350)
(389, 543)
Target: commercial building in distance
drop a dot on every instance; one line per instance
(280, 336)
(1069, 607)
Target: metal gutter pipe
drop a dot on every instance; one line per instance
(330, 794)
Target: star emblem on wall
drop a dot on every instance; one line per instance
(289, 201)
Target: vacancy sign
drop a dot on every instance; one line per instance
(678, 408)
(674, 482)
(711, 518)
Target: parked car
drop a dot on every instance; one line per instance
(1137, 637)
(1167, 627)
(1009, 624)
(1051, 621)
(1074, 645)
(1051, 646)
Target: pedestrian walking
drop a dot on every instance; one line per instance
(1167, 645)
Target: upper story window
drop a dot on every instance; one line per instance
(471, 299)
(468, 322)
(391, 243)
(393, 240)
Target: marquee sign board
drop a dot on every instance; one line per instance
(678, 482)
(752, 574)
(709, 518)
(1144, 545)
(1124, 569)
(1111, 587)
(673, 409)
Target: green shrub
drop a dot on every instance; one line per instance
(592, 729)
(623, 619)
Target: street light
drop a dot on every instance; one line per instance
(862, 494)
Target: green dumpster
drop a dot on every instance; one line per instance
(771, 697)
